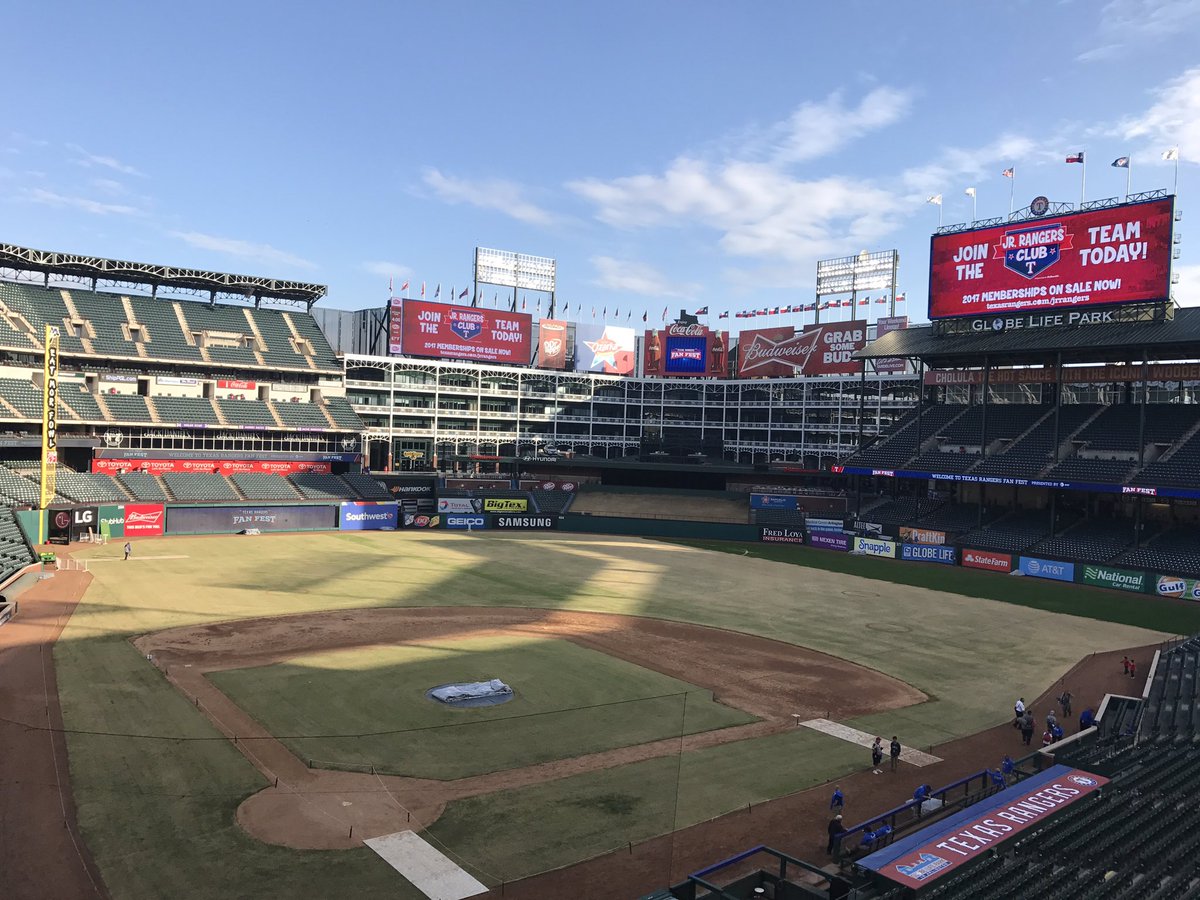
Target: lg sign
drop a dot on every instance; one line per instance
(1116, 255)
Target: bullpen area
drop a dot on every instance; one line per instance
(242, 712)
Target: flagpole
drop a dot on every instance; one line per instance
(1083, 181)
(1128, 176)
(1012, 190)
(1175, 189)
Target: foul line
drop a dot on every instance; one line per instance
(93, 559)
(862, 739)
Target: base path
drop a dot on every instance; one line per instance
(428, 870)
(315, 808)
(41, 852)
(862, 739)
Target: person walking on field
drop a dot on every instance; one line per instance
(128, 549)
(1019, 707)
(1125, 664)
(895, 750)
(1132, 668)
(877, 756)
(1027, 727)
(838, 800)
(1065, 701)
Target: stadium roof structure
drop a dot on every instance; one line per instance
(1173, 338)
(122, 272)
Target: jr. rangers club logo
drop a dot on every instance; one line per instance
(1030, 251)
(466, 324)
(1083, 780)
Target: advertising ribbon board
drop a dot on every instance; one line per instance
(933, 553)
(505, 504)
(922, 535)
(990, 560)
(1047, 568)
(829, 540)
(232, 519)
(813, 524)
(874, 547)
(1118, 579)
(780, 534)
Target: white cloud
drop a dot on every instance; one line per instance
(638, 278)
(91, 160)
(51, 198)
(260, 253)
(502, 196)
(818, 129)
(1127, 23)
(956, 167)
(1173, 119)
(385, 269)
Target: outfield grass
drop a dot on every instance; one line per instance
(158, 814)
(568, 700)
(1143, 610)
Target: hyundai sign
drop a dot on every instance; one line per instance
(368, 516)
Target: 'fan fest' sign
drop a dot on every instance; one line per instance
(448, 331)
(817, 350)
(685, 350)
(1116, 255)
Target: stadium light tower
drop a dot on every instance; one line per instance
(517, 271)
(867, 271)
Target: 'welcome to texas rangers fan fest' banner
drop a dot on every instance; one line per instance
(448, 331)
(682, 350)
(1116, 255)
(817, 350)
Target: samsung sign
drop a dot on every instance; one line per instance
(368, 516)
(1047, 568)
(468, 522)
(934, 553)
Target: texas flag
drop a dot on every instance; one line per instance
(702, 311)
(1077, 158)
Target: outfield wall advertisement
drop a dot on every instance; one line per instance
(1047, 568)
(1174, 586)
(933, 553)
(1117, 579)
(988, 560)
(1073, 261)
(874, 547)
(356, 516)
(780, 534)
(232, 519)
(828, 540)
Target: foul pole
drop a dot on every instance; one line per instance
(49, 426)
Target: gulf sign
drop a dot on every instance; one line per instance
(1102, 257)
(1174, 586)
(446, 331)
(817, 350)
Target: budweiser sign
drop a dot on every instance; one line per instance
(144, 519)
(818, 350)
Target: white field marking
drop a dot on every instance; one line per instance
(854, 736)
(431, 872)
(133, 558)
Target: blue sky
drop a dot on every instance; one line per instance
(667, 154)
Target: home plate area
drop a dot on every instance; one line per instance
(854, 736)
(427, 869)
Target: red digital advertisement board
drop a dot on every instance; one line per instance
(817, 350)
(464, 332)
(680, 350)
(1098, 258)
(223, 467)
(144, 519)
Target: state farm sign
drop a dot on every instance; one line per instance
(817, 350)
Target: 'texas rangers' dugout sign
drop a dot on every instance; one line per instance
(1116, 255)
(464, 332)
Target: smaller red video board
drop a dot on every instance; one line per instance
(1121, 254)
(447, 331)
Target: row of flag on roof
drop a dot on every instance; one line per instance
(845, 303)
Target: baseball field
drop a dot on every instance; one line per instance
(241, 712)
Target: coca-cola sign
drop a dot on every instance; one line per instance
(682, 350)
(818, 350)
(677, 329)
